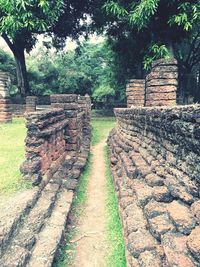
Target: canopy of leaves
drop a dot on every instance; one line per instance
(7, 64)
(87, 70)
(104, 94)
(160, 23)
(22, 20)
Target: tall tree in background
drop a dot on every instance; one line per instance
(22, 20)
(167, 21)
(144, 30)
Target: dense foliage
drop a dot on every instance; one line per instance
(21, 21)
(137, 32)
(89, 69)
(142, 31)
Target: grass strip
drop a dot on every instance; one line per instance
(116, 250)
(101, 128)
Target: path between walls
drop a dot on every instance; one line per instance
(91, 238)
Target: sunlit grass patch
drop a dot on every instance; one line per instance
(101, 128)
(12, 137)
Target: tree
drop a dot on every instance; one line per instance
(79, 71)
(167, 22)
(7, 64)
(104, 95)
(43, 72)
(142, 31)
(21, 21)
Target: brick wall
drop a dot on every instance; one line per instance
(5, 103)
(161, 83)
(135, 93)
(45, 144)
(31, 102)
(18, 110)
(5, 110)
(157, 89)
(56, 137)
(155, 161)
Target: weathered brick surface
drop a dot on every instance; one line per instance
(45, 143)
(159, 87)
(155, 161)
(161, 83)
(53, 134)
(31, 103)
(5, 103)
(32, 229)
(135, 93)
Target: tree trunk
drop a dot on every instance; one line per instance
(170, 47)
(18, 52)
(22, 79)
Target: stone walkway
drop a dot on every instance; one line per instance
(91, 246)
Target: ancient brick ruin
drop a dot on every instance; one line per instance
(158, 89)
(53, 135)
(135, 93)
(155, 162)
(5, 104)
(31, 102)
(57, 146)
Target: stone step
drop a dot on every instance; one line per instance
(13, 214)
(19, 247)
(49, 238)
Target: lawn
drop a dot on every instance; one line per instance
(12, 137)
(101, 128)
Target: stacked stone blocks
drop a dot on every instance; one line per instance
(135, 93)
(34, 227)
(154, 154)
(5, 103)
(45, 144)
(161, 83)
(31, 102)
(70, 105)
(158, 89)
(55, 136)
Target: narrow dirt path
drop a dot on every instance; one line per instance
(91, 245)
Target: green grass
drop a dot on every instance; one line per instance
(116, 249)
(68, 251)
(12, 137)
(101, 128)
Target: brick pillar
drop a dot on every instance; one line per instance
(89, 106)
(162, 83)
(82, 103)
(84, 117)
(135, 93)
(31, 103)
(5, 103)
(70, 104)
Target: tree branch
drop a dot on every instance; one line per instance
(192, 47)
(9, 43)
